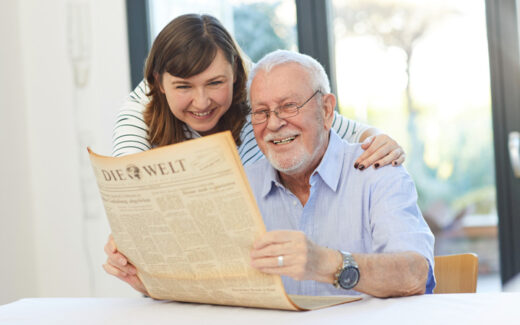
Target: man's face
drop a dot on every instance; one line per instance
(295, 144)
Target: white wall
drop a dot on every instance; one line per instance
(16, 243)
(52, 225)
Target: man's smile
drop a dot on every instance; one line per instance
(284, 141)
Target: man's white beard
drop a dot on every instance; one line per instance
(295, 163)
(289, 165)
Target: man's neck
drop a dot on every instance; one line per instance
(299, 182)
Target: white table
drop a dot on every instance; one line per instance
(480, 308)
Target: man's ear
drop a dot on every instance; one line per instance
(329, 104)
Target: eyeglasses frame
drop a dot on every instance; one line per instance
(276, 110)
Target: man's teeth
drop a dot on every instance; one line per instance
(200, 114)
(283, 141)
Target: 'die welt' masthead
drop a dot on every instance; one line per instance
(135, 172)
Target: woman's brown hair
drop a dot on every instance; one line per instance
(184, 48)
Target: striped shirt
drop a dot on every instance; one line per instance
(131, 132)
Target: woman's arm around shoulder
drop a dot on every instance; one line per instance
(380, 149)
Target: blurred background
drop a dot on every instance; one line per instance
(420, 71)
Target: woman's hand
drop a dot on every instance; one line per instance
(380, 150)
(117, 265)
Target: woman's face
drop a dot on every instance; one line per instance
(201, 100)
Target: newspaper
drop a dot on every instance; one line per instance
(186, 217)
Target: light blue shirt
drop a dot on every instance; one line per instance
(369, 211)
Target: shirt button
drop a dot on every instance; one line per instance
(295, 203)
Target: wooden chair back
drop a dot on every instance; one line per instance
(456, 273)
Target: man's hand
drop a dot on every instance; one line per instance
(380, 150)
(301, 258)
(117, 265)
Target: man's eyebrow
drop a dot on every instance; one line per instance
(280, 100)
(259, 106)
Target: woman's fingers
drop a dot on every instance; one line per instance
(112, 270)
(396, 155)
(400, 160)
(132, 280)
(118, 260)
(118, 265)
(381, 150)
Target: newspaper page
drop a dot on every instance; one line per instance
(186, 217)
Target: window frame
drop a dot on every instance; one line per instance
(504, 61)
(138, 28)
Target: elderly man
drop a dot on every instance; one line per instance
(331, 230)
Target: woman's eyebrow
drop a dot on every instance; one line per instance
(179, 82)
(217, 77)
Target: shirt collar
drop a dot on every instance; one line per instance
(331, 164)
(189, 133)
(329, 168)
(272, 179)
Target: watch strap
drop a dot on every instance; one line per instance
(347, 261)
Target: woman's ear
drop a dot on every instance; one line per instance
(158, 81)
(235, 69)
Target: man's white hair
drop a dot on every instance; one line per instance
(318, 77)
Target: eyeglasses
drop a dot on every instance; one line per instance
(282, 112)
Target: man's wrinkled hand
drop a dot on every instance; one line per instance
(291, 253)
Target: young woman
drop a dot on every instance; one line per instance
(195, 85)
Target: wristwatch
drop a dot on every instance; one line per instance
(347, 276)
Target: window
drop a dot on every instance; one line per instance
(420, 71)
(258, 26)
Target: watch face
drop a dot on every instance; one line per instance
(349, 277)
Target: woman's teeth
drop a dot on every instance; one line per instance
(283, 141)
(201, 114)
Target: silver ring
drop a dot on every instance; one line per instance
(280, 260)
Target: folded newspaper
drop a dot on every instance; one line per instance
(186, 217)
